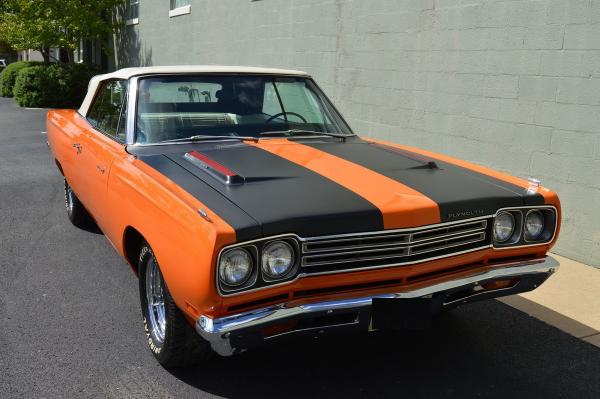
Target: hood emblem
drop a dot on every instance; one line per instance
(467, 214)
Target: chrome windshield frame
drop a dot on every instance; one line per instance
(131, 110)
(133, 97)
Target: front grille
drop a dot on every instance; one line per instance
(380, 249)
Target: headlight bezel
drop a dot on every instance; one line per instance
(268, 277)
(512, 230)
(250, 279)
(518, 240)
(536, 238)
(258, 279)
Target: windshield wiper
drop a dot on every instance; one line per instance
(203, 137)
(294, 132)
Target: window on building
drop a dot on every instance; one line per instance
(132, 11)
(179, 3)
(180, 7)
(107, 112)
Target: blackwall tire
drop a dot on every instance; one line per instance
(76, 212)
(171, 339)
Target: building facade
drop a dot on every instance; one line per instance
(514, 85)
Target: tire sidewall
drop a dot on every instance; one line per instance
(146, 254)
(76, 213)
(68, 199)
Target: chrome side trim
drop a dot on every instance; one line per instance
(218, 331)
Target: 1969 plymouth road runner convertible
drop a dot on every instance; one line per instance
(252, 213)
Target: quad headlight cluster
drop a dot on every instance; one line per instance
(523, 226)
(257, 264)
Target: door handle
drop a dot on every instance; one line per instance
(78, 147)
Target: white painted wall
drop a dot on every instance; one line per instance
(514, 85)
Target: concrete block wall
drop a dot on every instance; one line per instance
(511, 84)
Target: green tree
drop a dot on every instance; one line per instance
(43, 24)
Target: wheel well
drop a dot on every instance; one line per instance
(59, 166)
(132, 244)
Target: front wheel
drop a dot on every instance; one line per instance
(171, 339)
(76, 212)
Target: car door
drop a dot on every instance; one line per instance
(101, 144)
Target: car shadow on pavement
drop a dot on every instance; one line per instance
(486, 349)
(91, 228)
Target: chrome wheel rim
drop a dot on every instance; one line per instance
(155, 303)
(69, 198)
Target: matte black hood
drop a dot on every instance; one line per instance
(276, 196)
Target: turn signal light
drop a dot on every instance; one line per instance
(498, 285)
(278, 329)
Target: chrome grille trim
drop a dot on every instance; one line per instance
(403, 239)
(394, 246)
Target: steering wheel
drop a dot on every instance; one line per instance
(286, 113)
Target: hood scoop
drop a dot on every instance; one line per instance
(428, 165)
(213, 168)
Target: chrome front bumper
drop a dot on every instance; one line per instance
(236, 333)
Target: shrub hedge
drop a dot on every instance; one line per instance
(54, 85)
(9, 76)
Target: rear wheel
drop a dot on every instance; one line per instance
(76, 212)
(171, 339)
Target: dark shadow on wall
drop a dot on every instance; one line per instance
(129, 49)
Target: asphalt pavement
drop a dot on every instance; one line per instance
(70, 322)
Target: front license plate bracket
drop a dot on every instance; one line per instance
(401, 314)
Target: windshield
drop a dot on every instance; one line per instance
(179, 107)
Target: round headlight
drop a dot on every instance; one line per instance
(235, 267)
(504, 225)
(277, 259)
(534, 225)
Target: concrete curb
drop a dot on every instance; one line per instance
(569, 301)
(549, 316)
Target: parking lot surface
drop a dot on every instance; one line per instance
(70, 323)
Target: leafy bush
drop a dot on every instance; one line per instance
(32, 87)
(9, 76)
(54, 85)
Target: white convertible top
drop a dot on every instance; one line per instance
(127, 73)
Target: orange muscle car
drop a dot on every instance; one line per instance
(251, 212)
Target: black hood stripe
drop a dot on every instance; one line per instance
(281, 196)
(460, 193)
(246, 228)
